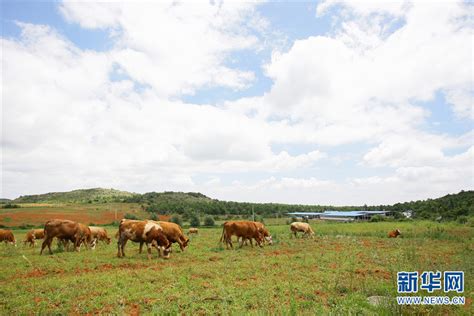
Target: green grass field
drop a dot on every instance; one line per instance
(333, 273)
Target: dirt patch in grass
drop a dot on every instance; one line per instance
(374, 272)
(38, 273)
(281, 252)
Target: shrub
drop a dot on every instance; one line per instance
(130, 216)
(377, 218)
(209, 221)
(25, 226)
(10, 205)
(194, 222)
(462, 219)
(154, 217)
(177, 220)
(259, 218)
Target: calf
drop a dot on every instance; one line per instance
(65, 230)
(148, 232)
(33, 235)
(241, 229)
(99, 233)
(296, 227)
(394, 233)
(192, 230)
(7, 236)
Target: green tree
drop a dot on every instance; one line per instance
(209, 221)
(194, 221)
(177, 220)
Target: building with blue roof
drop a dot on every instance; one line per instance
(343, 216)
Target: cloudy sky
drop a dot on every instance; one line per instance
(329, 102)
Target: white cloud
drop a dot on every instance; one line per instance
(68, 125)
(175, 47)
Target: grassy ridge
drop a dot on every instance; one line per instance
(333, 273)
(37, 214)
(96, 195)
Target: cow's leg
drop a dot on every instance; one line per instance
(181, 245)
(77, 244)
(43, 245)
(141, 247)
(228, 240)
(154, 244)
(49, 246)
(119, 250)
(148, 249)
(122, 241)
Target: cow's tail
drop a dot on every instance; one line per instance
(223, 233)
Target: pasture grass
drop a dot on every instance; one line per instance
(333, 273)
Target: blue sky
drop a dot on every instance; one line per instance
(307, 102)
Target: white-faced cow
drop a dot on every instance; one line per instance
(296, 227)
(148, 232)
(173, 232)
(394, 233)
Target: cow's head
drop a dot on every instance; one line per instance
(269, 240)
(398, 232)
(161, 243)
(186, 242)
(108, 240)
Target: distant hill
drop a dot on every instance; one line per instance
(96, 195)
(447, 207)
(450, 206)
(5, 200)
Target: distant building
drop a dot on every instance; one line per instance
(342, 216)
(408, 213)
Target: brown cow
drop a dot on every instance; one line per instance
(241, 229)
(296, 227)
(192, 230)
(65, 230)
(33, 235)
(7, 236)
(99, 233)
(174, 233)
(394, 233)
(266, 234)
(148, 232)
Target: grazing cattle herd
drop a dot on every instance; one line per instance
(154, 234)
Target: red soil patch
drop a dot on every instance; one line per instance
(377, 272)
(280, 252)
(323, 296)
(215, 258)
(40, 216)
(133, 309)
(37, 273)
